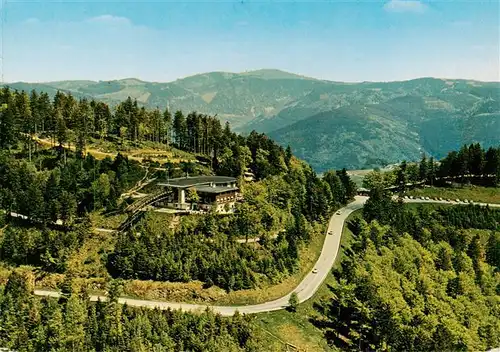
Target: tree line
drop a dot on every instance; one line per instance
(73, 323)
(417, 280)
(68, 120)
(471, 160)
(471, 163)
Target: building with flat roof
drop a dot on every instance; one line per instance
(219, 191)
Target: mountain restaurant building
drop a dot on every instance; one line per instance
(212, 191)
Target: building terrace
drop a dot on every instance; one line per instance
(219, 191)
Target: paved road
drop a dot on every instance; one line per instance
(304, 290)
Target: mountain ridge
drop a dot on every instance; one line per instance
(407, 113)
(256, 71)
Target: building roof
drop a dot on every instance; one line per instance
(215, 190)
(184, 182)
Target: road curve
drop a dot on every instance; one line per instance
(305, 290)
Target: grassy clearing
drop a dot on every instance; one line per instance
(416, 206)
(88, 261)
(475, 193)
(192, 292)
(296, 328)
(107, 221)
(140, 152)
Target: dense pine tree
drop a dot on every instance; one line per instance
(76, 324)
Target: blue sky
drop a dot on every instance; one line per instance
(335, 40)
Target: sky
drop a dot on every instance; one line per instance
(162, 41)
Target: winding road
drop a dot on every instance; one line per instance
(305, 290)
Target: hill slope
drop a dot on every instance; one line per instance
(329, 124)
(365, 136)
(235, 97)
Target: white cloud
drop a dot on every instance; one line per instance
(405, 6)
(110, 19)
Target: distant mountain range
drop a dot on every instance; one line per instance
(329, 124)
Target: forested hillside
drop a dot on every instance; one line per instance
(366, 135)
(420, 280)
(329, 124)
(294, 205)
(57, 188)
(73, 323)
(425, 280)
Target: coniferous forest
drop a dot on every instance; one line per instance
(73, 323)
(249, 176)
(417, 280)
(472, 164)
(57, 184)
(413, 279)
(63, 184)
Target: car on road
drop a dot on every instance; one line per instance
(338, 212)
(457, 200)
(330, 232)
(315, 271)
